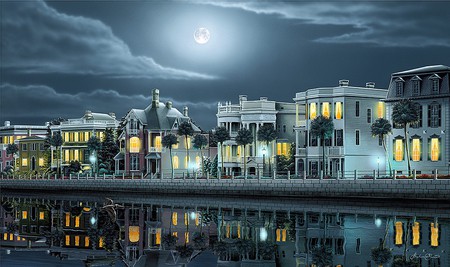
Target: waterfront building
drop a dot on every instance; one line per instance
(351, 147)
(76, 133)
(429, 140)
(10, 134)
(141, 149)
(31, 154)
(252, 114)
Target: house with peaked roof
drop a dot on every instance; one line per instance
(141, 149)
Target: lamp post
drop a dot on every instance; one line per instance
(264, 151)
(92, 159)
(378, 162)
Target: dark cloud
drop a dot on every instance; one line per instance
(39, 39)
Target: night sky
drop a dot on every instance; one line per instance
(61, 58)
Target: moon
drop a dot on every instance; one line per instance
(201, 35)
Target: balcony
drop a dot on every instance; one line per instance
(302, 152)
(133, 131)
(84, 121)
(229, 109)
(156, 149)
(335, 151)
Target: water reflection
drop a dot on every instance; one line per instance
(141, 230)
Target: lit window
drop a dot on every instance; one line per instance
(67, 219)
(175, 162)
(158, 237)
(100, 242)
(197, 219)
(77, 221)
(434, 230)
(11, 236)
(133, 233)
(175, 234)
(24, 215)
(67, 240)
(326, 109)
(398, 149)
(86, 241)
(282, 149)
(283, 235)
(188, 144)
(228, 231)
(41, 162)
(198, 161)
(312, 111)
(66, 155)
(157, 142)
(186, 237)
(416, 149)
(24, 162)
(76, 155)
(75, 135)
(135, 144)
(186, 218)
(86, 136)
(435, 150)
(380, 110)
(174, 218)
(416, 234)
(338, 111)
(66, 137)
(239, 151)
(41, 215)
(101, 135)
(77, 241)
(5, 236)
(398, 233)
(278, 234)
(186, 162)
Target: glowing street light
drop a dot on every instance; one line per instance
(93, 220)
(264, 151)
(263, 234)
(378, 162)
(92, 159)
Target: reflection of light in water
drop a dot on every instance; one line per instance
(193, 215)
(378, 222)
(93, 220)
(263, 234)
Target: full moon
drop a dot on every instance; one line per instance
(201, 35)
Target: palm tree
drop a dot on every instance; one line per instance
(57, 141)
(380, 128)
(322, 127)
(221, 134)
(200, 142)
(404, 113)
(322, 256)
(267, 134)
(168, 141)
(94, 145)
(12, 149)
(243, 138)
(185, 129)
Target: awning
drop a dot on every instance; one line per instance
(119, 156)
(153, 155)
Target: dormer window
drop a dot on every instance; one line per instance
(416, 85)
(435, 84)
(399, 87)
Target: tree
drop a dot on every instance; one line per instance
(322, 127)
(287, 163)
(57, 142)
(267, 134)
(169, 241)
(322, 256)
(221, 135)
(168, 141)
(12, 149)
(380, 128)
(108, 150)
(75, 166)
(185, 129)
(404, 113)
(94, 146)
(381, 255)
(243, 138)
(200, 142)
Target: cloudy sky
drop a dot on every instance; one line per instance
(61, 58)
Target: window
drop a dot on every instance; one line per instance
(284, 128)
(369, 115)
(134, 162)
(186, 218)
(338, 110)
(398, 149)
(77, 221)
(435, 86)
(86, 241)
(186, 162)
(66, 137)
(186, 237)
(24, 162)
(67, 240)
(398, 228)
(135, 145)
(100, 242)
(357, 109)
(357, 137)
(174, 218)
(282, 149)
(41, 215)
(41, 162)
(416, 87)
(157, 142)
(67, 219)
(24, 215)
(434, 235)
(75, 136)
(418, 124)
(188, 143)
(24, 147)
(416, 234)
(176, 163)
(338, 137)
(434, 148)
(339, 246)
(41, 147)
(434, 115)
(326, 109)
(313, 140)
(175, 234)
(358, 245)
(33, 147)
(380, 109)
(77, 241)
(416, 154)
(312, 111)
(398, 88)
(198, 162)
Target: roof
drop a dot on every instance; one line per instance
(433, 68)
(98, 116)
(32, 138)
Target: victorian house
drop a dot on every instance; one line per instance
(141, 149)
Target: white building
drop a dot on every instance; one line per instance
(352, 147)
(429, 138)
(252, 114)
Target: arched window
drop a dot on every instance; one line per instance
(398, 149)
(326, 109)
(312, 111)
(338, 110)
(416, 148)
(135, 145)
(175, 162)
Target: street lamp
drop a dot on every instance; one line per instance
(264, 151)
(92, 159)
(378, 162)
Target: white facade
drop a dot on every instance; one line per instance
(351, 147)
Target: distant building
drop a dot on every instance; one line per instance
(351, 147)
(76, 133)
(141, 141)
(252, 114)
(31, 154)
(429, 138)
(10, 134)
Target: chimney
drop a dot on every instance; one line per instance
(370, 85)
(169, 104)
(344, 82)
(242, 98)
(112, 114)
(7, 123)
(28, 132)
(47, 123)
(155, 98)
(263, 98)
(185, 112)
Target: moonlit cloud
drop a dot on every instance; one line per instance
(391, 24)
(39, 39)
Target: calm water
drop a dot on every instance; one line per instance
(73, 229)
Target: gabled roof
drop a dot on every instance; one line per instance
(426, 69)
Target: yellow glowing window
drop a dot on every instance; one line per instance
(198, 161)
(197, 219)
(24, 214)
(228, 231)
(175, 162)
(23, 239)
(41, 162)
(158, 237)
(11, 237)
(135, 144)
(41, 215)
(186, 162)
(398, 233)
(67, 219)
(75, 135)
(174, 218)
(188, 145)
(278, 234)
(77, 221)
(18, 238)
(87, 209)
(398, 152)
(176, 145)
(282, 149)
(5, 236)
(227, 152)
(133, 232)
(312, 111)
(175, 234)
(239, 231)
(24, 162)
(101, 135)
(67, 240)
(66, 137)
(416, 234)
(434, 230)
(67, 155)
(239, 151)
(283, 235)
(326, 109)
(186, 218)
(76, 155)
(86, 241)
(86, 136)
(435, 149)
(416, 149)
(157, 142)
(100, 242)
(77, 241)
(186, 237)
(338, 110)
(380, 110)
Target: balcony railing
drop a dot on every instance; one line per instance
(229, 109)
(157, 149)
(335, 151)
(84, 121)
